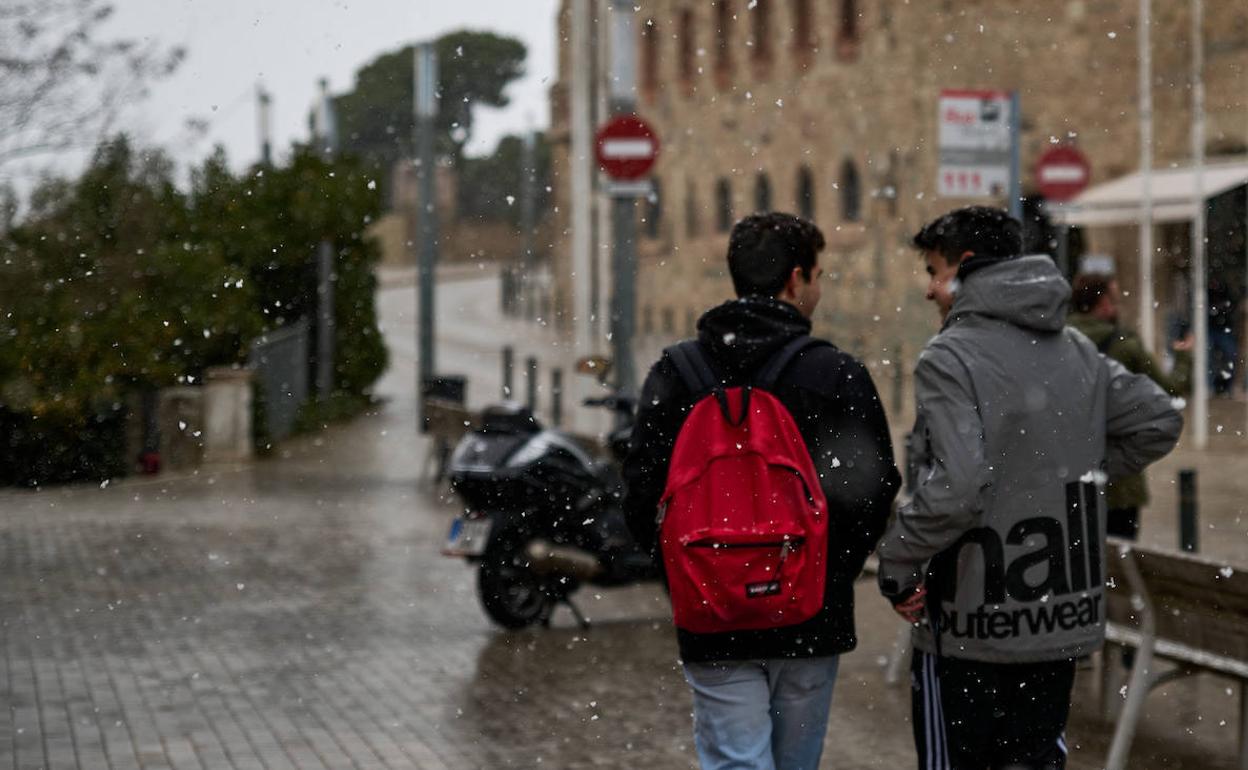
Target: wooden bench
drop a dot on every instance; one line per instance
(446, 422)
(1184, 609)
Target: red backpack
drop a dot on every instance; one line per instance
(744, 521)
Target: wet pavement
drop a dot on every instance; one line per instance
(295, 613)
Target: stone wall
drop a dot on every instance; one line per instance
(820, 96)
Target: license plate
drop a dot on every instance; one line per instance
(467, 537)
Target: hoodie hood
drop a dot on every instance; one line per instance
(742, 334)
(1027, 291)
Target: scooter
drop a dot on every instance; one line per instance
(542, 515)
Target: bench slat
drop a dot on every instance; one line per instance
(1199, 604)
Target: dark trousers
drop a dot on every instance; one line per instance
(1123, 522)
(969, 715)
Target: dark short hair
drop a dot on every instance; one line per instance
(763, 249)
(982, 230)
(1088, 290)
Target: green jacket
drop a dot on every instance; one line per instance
(1126, 348)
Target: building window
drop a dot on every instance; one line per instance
(685, 40)
(723, 205)
(762, 193)
(654, 209)
(806, 193)
(804, 40)
(649, 61)
(847, 36)
(851, 192)
(692, 225)
(723, 44)
(760, 53)
(669, 320)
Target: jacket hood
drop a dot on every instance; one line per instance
(1027, 291)
(741, 334)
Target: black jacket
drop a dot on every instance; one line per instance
(838, 412)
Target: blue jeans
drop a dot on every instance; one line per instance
(767, 714)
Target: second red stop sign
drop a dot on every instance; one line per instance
(626, 147)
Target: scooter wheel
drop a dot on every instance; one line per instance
(513, 595)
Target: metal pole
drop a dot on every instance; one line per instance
(1016, 172)
(1200, 316)
(328, 140)
(324, 319)
(530, 366)
(1063, 249)
(426, 111)
(601, 260)
(582, 163)
(528, 211)
(1189, 538)
(624, 208)
(509, 366)
(556, 397)
(1147, 332)
(264, 104)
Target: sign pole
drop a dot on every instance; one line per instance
(426, 109)
(1147, 332)
(1016, 171)
(1200, 316)
(624, 219)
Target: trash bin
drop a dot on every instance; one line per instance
(443, 387)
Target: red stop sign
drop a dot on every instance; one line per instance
(1062, 173)
(626, 147)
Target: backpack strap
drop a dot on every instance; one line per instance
(693, 367)
(771, 371)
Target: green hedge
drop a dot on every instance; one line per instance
(119, 280)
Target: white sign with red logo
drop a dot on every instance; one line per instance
(626, 147)
(975, 132)
(1062, 173)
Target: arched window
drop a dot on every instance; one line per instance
(692, 223)
(688, 67)
(806, 193)
(847, 35)
(804, 40)
(760, 23)
(851, 192)
(723, 44)
(649, 61)
(762, 193)
(654, 209)
(723, 205)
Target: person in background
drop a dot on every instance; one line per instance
(1095, 300)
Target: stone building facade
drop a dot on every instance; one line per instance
(827, 108)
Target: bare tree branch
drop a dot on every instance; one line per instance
(63, 82)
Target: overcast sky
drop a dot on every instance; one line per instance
(288, 44)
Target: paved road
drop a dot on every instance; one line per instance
(295, 614)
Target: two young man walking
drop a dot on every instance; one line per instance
(998, 557)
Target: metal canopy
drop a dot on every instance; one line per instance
(1117, 202)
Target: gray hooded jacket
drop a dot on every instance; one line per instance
(1019, 419)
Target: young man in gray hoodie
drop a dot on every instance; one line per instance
(999, 557)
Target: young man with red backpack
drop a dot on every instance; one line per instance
(762, 474)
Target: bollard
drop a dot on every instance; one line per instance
(531, 401)
(509, 362)
(898, 382)
(1188, 540)
(556, 397)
